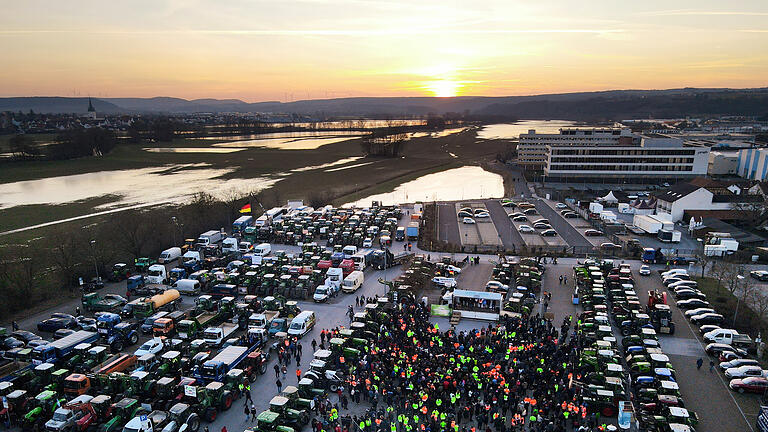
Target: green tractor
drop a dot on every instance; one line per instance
(268, 421)
(42, 376)
(121, 413)
(142, 385)
(57, 379)
(181, 414)
(212, 399)
(79, 354)
(44, 404)
(296, 418)
(296, 401)
(142, 264)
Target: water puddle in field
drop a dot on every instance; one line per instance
(286, 143)
(191, 150)
(468, 182)
(513, 130)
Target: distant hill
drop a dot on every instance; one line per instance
(602, 105)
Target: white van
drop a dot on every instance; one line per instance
(169, 255)
(229, 245)
(190, 287)
(263, 249)
(302, 324)
(353, 281)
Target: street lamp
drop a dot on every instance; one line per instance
(739, 278)
(93, 254)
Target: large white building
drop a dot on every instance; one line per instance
(656, 159)
(753, 163)
(532, 147)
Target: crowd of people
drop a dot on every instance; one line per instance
(515, 375)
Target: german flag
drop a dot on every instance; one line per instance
(245, 209)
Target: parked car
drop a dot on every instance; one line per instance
(706, 328)
(645, 270)
(520, 218)
(453, 269)
(57, 321)
(496, 286)
(541, 225)
(463, 214)
(11, 343)
(698, 311)
(738, 363)
(468, 220)
(516, 214)
(152, 346)
(561, 206)
(744, 371)
(609, 246)
(682, 260)
(60, 333)
(750, 385)
(482, 215)
(570, 215)
(87, 324)
(368, 242)
(40, 342)
(714, 349)
(761, 275)
(530, 211)
(444, 281)
(692, 303)
(727, 356)
(549, 233)
(25, 336)
(542, 220)
(707, 318)
(593, 233)
(526, 229)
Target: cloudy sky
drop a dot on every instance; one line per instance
(283, 50)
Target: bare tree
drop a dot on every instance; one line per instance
(65, 248)
(134, 232)
(703, 260)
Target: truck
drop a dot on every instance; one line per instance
(156, 274)
(224, 290)
(109, 303)
(165, 301)
(412, 231)
(262, 320)
(115, 333)
(217, 335)
(648, 224)
(721, 246)
(216, 368)
(229, 245)
(652, 256)
(192, 260)
(188, 329)
(362, 259)
(209, 238)
(730, 337)
(383, 259)
(241, 223)
(334, 277)
(668, 236)
(60, 349)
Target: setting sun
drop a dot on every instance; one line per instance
(443, 88)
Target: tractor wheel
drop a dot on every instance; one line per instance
(625, 332)
(133, 339)
(117, 347)
(193, 423)
(226, 401)
(262, 369)
(333, 387)
(303, 418)
(210, 414)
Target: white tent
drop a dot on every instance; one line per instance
(610, 198)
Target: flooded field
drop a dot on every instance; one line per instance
(513, 130)
(455, 184)
(191, 150)
(174, 183)
(308, 143)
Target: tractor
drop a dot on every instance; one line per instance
(181, 415)
(295, 401)
(121, 413)
(44, 404)
(288, 416)
(268, 421)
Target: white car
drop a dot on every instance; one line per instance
(724, 366)
(561, 206)
(368, 242)
(152, 346)
(674, 272)
(453, 268)
(496, 286)
(698, 311)
(644, 270)
(444, 281)
(468, 220)
(744, 371)
(526, 229)
(482, 215)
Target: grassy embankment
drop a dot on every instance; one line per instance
(725, 303)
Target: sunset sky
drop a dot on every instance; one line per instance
(258, 50)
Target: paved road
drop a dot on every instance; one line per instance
(509, 235)
(566, 230)
(448, 231)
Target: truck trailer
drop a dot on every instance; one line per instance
(60, 349)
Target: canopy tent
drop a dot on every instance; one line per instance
(610, 198)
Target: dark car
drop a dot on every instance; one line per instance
(685, 294)
(60, 333)
(714, 349)
(707, 318)
(692, 303)
(12, 342)
(549, 232)
(570, 215)
(25, 336)
(57, 321)
(38, 342)
(593, 233)
(760, 275)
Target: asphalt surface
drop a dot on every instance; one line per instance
(566, 230)
(509, 235)
(448, 228)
